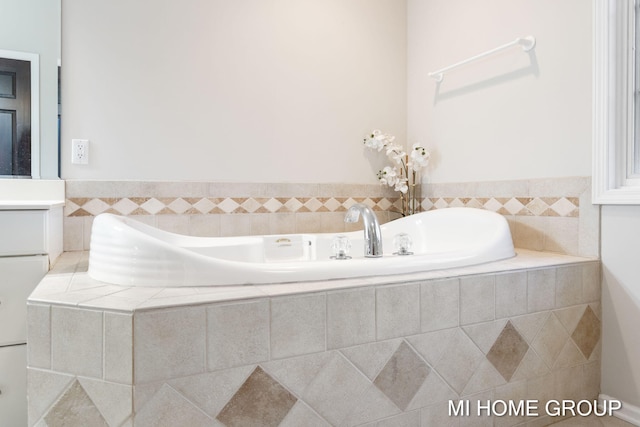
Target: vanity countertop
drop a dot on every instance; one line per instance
(31, 194)
(19, 205)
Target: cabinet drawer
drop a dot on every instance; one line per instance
(13, 385)
(23, 232)
(18, 278)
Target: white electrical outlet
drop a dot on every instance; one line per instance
(80, 151)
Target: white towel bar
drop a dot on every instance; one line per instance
(527, 43)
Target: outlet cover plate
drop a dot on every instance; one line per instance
(80, 151)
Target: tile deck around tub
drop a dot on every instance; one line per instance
(381, 351)
(68, 283)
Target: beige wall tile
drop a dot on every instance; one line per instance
(169, 343)
(397, 311)
(459, 360)
(371, 358)
(402, 376)
(434, 390)
(235, 225)
(204, 225)
(511, 294)
(332, 222)
(114, 401)
(118, 348)
(559, 187)
(75, 407)
(260, 400)
(168, 407)
(298, 325)
(570, 235)
(76, 341)
(282, 223)
(485, 334)
(541, 289)
(473, 420)
(588, 227)
(296, 373)
(550, 340)
(529, 233)
(516, 392)
(438, 415)
(335, 389)
(309, 222)
(591, 282)
(477, 299)
(302, 415)
(73, 236)
(407, 419)
(372, 405)
(440, 302)
(178, 224)
(237, 334)
(351, 318)
(39, 336)
(568, 286)
(260, 224)
(561, 235)
(569, 384)
(44, 388)
(87, 226)
(210, 391)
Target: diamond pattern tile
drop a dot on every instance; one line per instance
(402, 376)
(550, 340)
(334, 390)
(260, 401)
(251, 205)
(179, 205)
(293, 204)
(125, 206)
(228, 205)
(75, 408)
(95, 206)
(513, 206)
(153, 206)
(539, 206)
(204, 205)
(273, 205)
(508, 351)
(587, 333)
(563, 207)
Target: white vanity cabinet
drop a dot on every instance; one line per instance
(30, 240)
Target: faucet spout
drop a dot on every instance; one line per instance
(372, 234)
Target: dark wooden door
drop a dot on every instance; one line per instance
(15, 117)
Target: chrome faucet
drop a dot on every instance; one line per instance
(372, 234)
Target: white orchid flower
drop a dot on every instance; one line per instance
(396, 153)
(401, 186)
(419, 157)
(388, 176)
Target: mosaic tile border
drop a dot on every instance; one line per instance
(519, 206)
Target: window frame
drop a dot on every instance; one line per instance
(616, 173)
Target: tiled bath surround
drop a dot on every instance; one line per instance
(362, 352)
(554, 214)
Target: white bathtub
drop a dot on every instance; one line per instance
(126, 252)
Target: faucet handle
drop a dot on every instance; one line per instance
(353, 214)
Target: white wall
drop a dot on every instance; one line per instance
(509, 116)
(621, 303)
(243, 90)
(33, 26)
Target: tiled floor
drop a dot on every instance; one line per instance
(593, 421)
